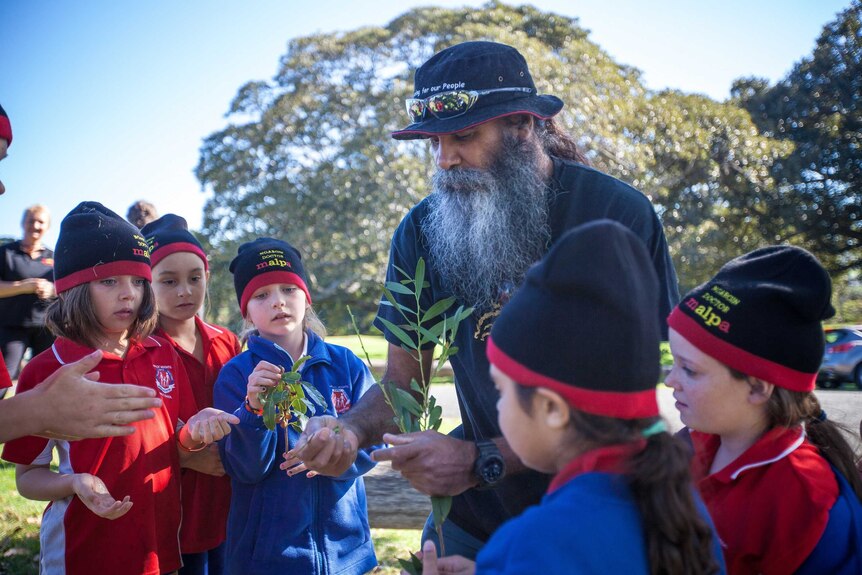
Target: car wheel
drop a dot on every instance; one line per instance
(857, 376)
(827, 384)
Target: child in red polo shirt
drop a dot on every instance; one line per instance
(102, 273)
(777, 476)
(180, 278)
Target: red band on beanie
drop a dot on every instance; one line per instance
(280, 277)
(102, 271)
(623, 405)
(737, 358)
(6, 130)
(164, 251)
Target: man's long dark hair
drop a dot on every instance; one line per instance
(558, 142)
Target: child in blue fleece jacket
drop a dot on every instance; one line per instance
(279, 523)
(575, 357)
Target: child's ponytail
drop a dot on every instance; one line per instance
(679, 539)
(789, 408)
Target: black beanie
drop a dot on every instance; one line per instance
(170, 234)
(761, 315)
(5, 127)
(266, 261)
(95, 243)
(584, 324)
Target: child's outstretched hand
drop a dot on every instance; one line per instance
(433, 565)
(205, 427)
(264, 376)
(94, 494)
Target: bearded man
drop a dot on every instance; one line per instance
(509, 183)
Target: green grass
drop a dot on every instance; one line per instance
(375, 345)
(20, 519)
(394, 544)
(19, 527)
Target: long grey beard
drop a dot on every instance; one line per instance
(486, 227)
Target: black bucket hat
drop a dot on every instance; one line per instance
(496, 72)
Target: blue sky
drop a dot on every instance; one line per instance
(109, 101)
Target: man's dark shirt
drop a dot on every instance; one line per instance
(579, 194)
(25, 310)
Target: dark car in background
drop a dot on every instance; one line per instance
(842, 360)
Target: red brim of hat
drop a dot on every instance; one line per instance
(168, 249)
(99, 272)
(622, 405)
(269, 278)
(737, 358)
(542, 107)
(6, 130)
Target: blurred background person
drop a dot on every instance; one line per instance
(26, 289)
(141, 213)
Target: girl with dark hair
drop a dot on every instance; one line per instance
(778, 477)
(575, 358)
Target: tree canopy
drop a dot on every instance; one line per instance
(307, 157)
(818, 107)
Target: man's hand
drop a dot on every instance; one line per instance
(433, 463)
(94, 494)
(326, 447)
(44, 289)
(72, 405)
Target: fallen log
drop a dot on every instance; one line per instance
(392, 502)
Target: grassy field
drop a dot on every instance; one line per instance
(19, 533)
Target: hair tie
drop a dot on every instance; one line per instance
(822, 415)
(654, 429)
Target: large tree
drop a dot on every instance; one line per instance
(308, 156)
(818, 107)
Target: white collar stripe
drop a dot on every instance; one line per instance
(793, 447)
(57, 354)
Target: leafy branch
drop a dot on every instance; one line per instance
(417, 410)
(289, 402)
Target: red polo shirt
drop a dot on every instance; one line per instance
(771, 505)
(206, 499)
(143, 465)
(5, 380)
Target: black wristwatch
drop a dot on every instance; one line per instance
(489, 467)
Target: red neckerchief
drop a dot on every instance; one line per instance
(608, 459)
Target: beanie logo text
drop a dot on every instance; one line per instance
(710, 318)
(143, 249)
(272, 258)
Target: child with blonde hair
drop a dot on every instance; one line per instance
(298, 522)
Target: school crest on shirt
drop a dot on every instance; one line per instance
(340, 400)
(165, 379)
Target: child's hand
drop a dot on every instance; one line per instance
(94, 494)
(206, 426)
(264, 376)
(207, 461)
(432, 565)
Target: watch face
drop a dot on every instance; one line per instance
(492, 470)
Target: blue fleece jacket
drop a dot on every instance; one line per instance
(590, 525)
(281, 524)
